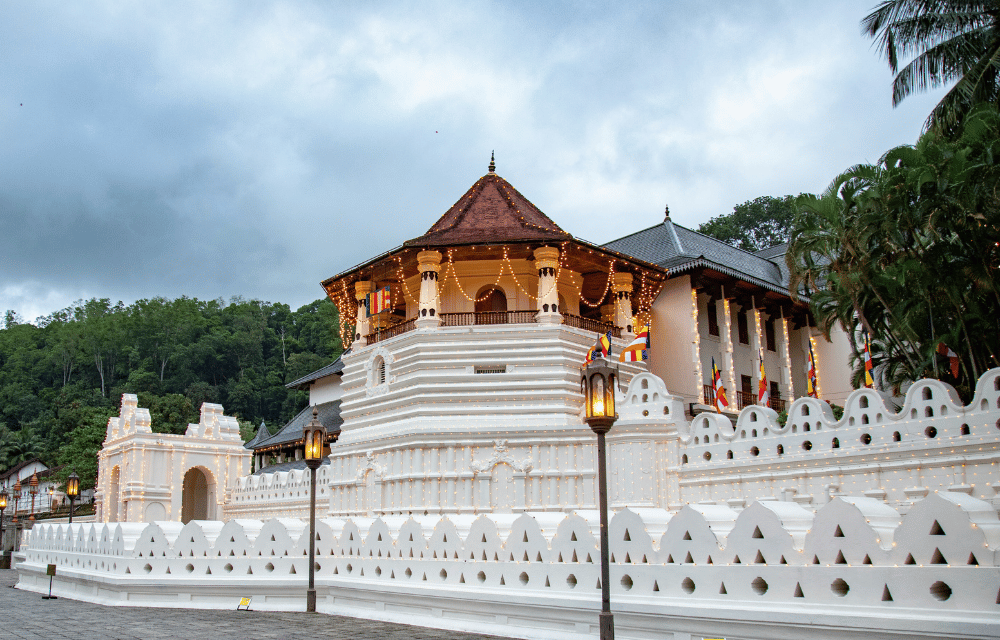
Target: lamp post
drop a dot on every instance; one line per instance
(3, 507)
(599, 380)
(313, 438)
(14, 521)
(33, 490)
(72, 491)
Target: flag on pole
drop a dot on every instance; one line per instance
(811, 374)
(378, 301)
(638, 349)
(720, 391)
(600, 350)
(763, 393)
(869, 381)
(943, 349)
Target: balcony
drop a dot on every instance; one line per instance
(492, 318)
(743, 399)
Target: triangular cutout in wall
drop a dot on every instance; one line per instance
(798, 591)
(937, 558)
(687, 535)
(722, 589)
(886, 596)
(757, 533)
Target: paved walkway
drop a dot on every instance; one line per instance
(25, 615)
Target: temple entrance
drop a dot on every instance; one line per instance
(195, 498)
(113, 497)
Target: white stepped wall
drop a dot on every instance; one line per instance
(533, 467)
(853, 568)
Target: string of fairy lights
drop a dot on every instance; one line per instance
(350, 306)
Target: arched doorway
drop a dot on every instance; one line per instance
(195, 500)
(491, 306)
(113, 497)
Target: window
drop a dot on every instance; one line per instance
(713, 319)
(378, 372)
(775, 391)
(769, 334)
(741, 324)
(747, 384)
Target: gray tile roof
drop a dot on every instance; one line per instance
(679, 249)
(291, 465)
(329, 415)
(337, 366)
(261, 435)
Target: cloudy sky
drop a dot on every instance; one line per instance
(215, 149)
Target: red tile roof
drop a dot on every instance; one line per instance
(492, 211)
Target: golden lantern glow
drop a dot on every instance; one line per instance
(73, 485)
(313, 438)
(3, 500)
(599, 382)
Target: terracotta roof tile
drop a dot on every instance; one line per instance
(491, 211)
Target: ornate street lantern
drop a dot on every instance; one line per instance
(72, 491)
(599, 381)
(33, 490)
(313, 440)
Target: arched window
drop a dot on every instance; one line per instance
(491, 298)
(378, 371)
(491, 306)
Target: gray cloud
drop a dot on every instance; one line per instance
(255, 148)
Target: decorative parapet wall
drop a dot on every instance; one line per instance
(932, 443)
(854, 568)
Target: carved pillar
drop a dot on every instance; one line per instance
(547, 261)
(622, 290)
(728, 351)
(361, 290)
(428, 309)
(786, 361)
(757, 343)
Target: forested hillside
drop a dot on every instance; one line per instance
(63, 375)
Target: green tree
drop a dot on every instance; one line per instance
(909, 250)
(949, 41)
(754, 225)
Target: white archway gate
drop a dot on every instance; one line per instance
(141, 474)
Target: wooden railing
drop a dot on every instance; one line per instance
(708, 394)
(487, 317)
(391, 332)
(744, 399)
(470, 318)
(589, 324)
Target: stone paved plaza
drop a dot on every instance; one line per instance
(27, 615)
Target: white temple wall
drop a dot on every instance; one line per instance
(933, 444)
(325, 390)
(676, 358)
(854, 569)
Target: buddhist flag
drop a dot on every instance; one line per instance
(600, 350)
(811, 374)
(720, 391)
(763, 394)
(378, 301)
(943, 349)
(869, 381)
(638, 349)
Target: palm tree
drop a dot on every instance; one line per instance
(949, 41)
(909, 249)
